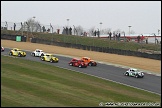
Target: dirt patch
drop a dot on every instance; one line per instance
(136, 62)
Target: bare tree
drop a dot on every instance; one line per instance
(132, 32)
(106, 31)
(91, 31)
(33, 26)
(79, 30)
(117, 31)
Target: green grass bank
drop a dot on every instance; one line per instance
(32, 84)
(89, 41)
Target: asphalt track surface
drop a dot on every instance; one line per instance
(151, 83)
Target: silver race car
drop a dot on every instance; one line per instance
(134, 73)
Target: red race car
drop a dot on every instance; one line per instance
(78, 63)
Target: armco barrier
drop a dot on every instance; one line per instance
(33, 40)
(8, 37)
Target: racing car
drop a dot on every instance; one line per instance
(17, 52)
(77, 63)
(89, 61)
(37, 53)
(2, 49)
(50, 58)
(134, 73)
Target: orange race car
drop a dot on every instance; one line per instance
(89, 61)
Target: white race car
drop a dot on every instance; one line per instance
(38, 53)
(134, 73)
(2, 49)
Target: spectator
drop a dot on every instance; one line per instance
(146, 40)
(43, 29)
(157, 41)
(119, 37)
(58, 30)
(66, 30)
(70, 30)
(14, 26)
(124, 37)
(98, 33)
(95, 33)
(48, 30)
(110, 35)
(138, 39)
(81, 34)
(142, 37)
(114, 35)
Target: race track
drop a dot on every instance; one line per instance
(151, 83)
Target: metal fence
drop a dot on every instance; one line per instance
(20, 28)
(23, 26)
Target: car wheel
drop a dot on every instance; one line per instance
(10, 54)
(42, 59)
(90, 64)
(51, 60)
(19, 55)
(42, 54)
(127, 74)
(136, 76)
(33, 54)
(71, 64)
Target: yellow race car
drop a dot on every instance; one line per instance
(50, 58)
(17, 52)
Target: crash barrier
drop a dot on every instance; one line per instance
(17, 38)
(98, 49)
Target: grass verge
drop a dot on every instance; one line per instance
(33, 84)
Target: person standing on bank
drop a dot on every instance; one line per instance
(70, 30)
(119, 36)
(110, 35)
(138, 38)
